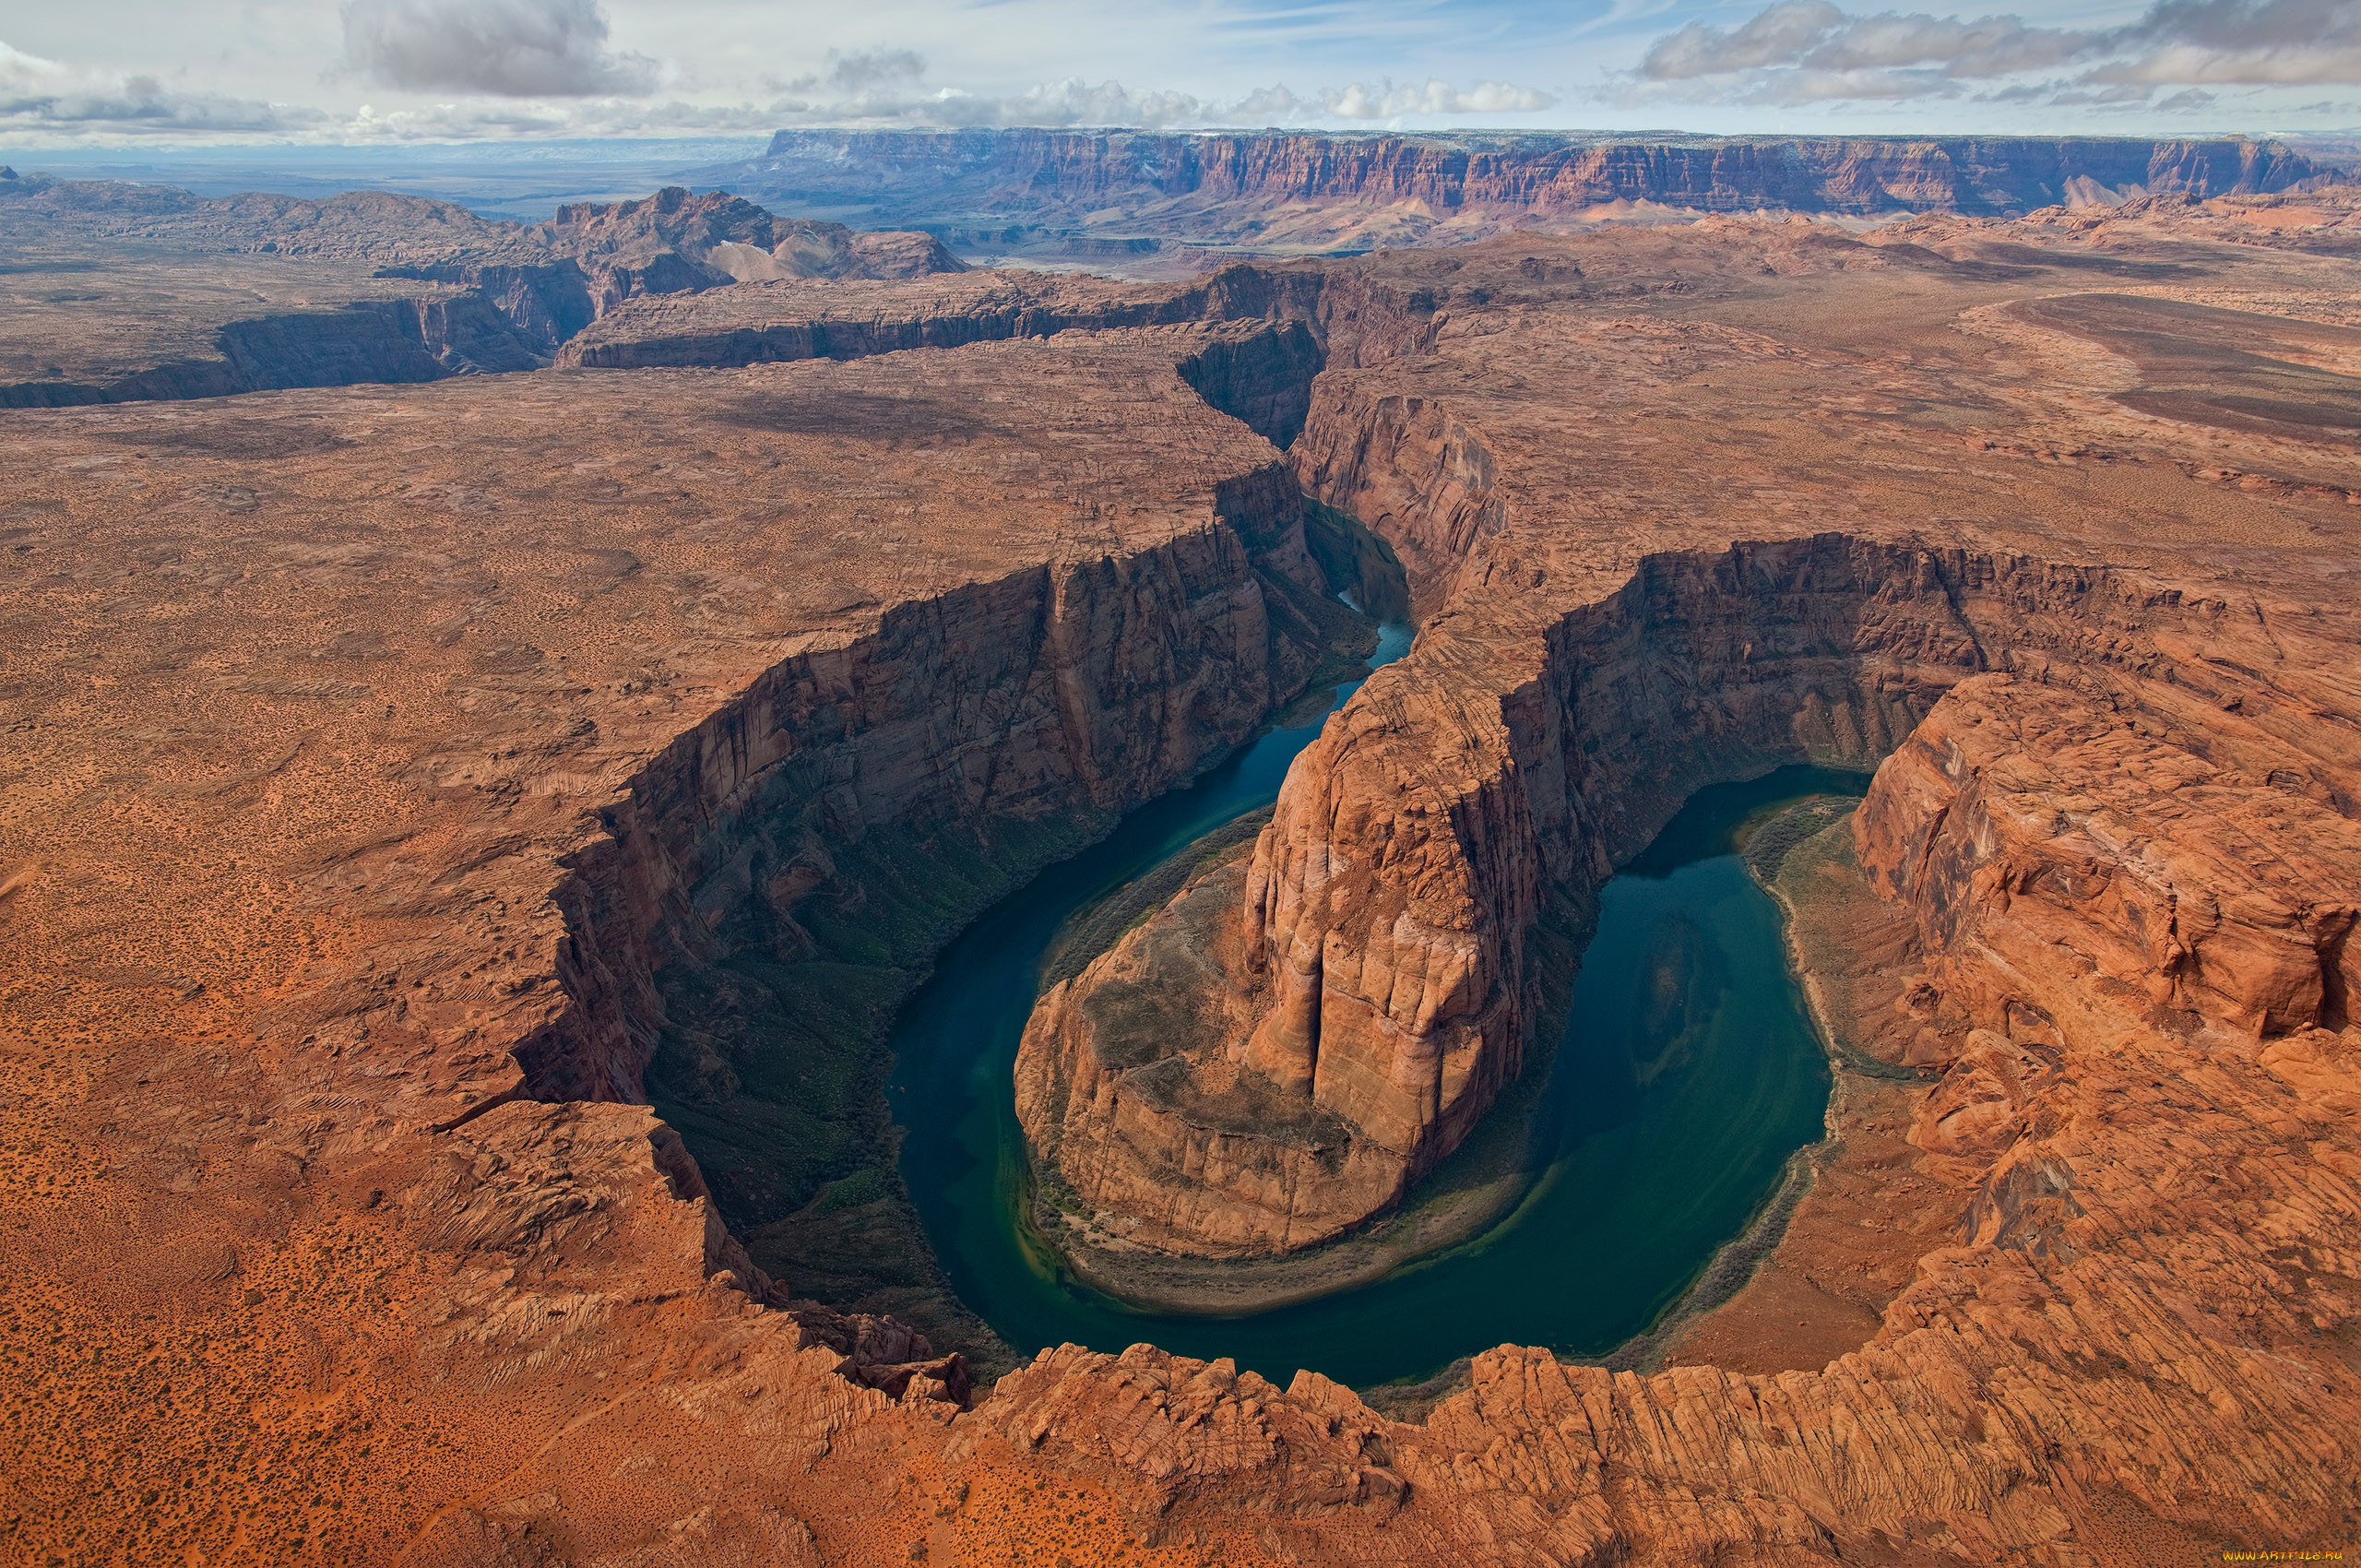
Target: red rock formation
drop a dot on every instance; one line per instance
(2124, 838)
(1181, 631)
(673, 242)
(2185, 853)
(441, 853)
(1388, 899)
(1257, 189)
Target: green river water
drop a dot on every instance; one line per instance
(1687, 1074)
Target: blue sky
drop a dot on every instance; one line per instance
(143, 72)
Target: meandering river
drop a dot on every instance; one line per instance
(1687, 1075)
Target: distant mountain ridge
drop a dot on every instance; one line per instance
(1291, 190)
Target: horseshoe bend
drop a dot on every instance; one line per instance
(479, 853)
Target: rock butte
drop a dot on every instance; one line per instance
(378, 756)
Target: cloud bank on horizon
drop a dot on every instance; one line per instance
(413, 70)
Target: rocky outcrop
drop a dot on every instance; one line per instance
(780, 321)
(594, 256)
(673, 240)
(1266, 333)
(2117, 808)
(421, 338)
(2132, 859)
(2020, 823)
(1373, 968)
(1134, 1101)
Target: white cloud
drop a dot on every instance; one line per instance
(2218, 41)
(1386, 101)
(508, 48)
(43, 96)
(895, 98)
(1809, 51)
(867, 69)
(1806, 50)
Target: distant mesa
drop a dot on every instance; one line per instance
(181, 296)
(1277, 191)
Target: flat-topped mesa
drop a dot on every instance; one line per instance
(1208, 186)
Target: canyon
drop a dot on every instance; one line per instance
(465, 844)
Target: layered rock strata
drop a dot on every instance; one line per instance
(1266, 332)
(1076, 689)
(498, 710)
(2118, 818)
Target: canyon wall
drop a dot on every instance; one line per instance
(2122, 816)
(252, 944)
(592, 256)
(1412, 469)
(1351, 320)
(933, 174)
(1075, 691)
(1382, 918)
(422, 337)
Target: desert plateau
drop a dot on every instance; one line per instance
(1225, 849)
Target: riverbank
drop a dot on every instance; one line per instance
(1800, 853)
(1845, 1235)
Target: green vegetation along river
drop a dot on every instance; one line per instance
(1687, 1075)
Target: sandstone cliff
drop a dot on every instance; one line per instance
(2116, 812)
(1282, 190)
(1087, 687)
(1384, 909)
(596, 257)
